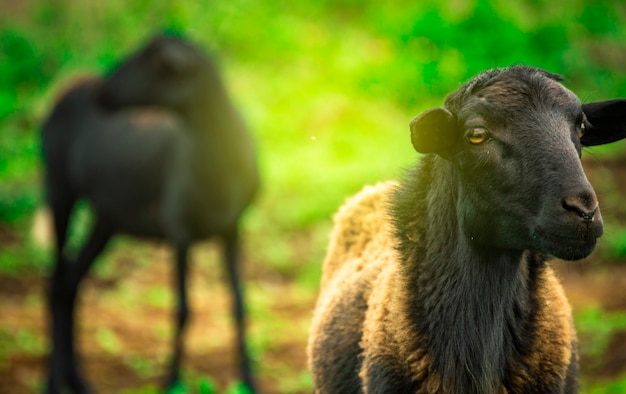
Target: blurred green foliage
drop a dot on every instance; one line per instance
(598, 325)
(327, 86)
(595, 329)
(325, 83)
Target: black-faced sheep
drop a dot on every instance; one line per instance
(439, 283)
(183, 170)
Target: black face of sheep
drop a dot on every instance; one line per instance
(440, 283)
(519, 134)
(183, 170)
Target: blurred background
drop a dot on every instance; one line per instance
(328, 88)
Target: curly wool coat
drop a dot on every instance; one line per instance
(363, 333)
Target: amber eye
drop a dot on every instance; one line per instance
(477, 135)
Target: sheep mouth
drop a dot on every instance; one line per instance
(569, 248)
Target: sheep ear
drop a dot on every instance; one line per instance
(606, 122)
(433, 131)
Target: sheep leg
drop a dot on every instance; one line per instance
(61, 207)
(231, 253)
(64, 289)
(182, 317)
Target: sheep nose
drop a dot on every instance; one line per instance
(584, 206)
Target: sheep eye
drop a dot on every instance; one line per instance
(477, 135)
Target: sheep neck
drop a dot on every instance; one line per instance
(210, 113)
(222, 165)
(468, 306)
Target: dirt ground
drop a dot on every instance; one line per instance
(126, 317)
(126, 326)
(142, 328)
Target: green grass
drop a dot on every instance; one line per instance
(598, 326)
(616, 387)
(595, 328)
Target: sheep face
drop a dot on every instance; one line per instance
(513, 138)
(167, 72)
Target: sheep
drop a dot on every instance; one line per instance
(158, 151)
(439, 283)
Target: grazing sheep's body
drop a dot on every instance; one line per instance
(159, 151)
(439, 284)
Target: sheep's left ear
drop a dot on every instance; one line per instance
(606, 122)
(433, 131)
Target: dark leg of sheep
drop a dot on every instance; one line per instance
(65, 282)
(231, 252)
(183, 314)
(61, 207)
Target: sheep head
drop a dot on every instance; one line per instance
(513, 137)
(167, 71)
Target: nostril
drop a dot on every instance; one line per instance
(586, 208)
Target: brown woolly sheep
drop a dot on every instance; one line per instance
(440, 283)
